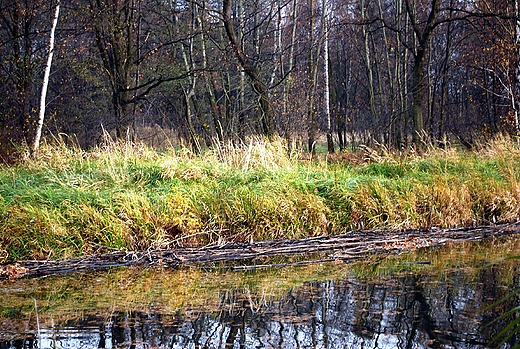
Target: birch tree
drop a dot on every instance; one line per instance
(39, 127)
(326, 92)
(368, 65)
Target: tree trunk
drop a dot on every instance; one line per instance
(313, 72)
(242, 83)
(401, 80)
(311, 118)
(258, 86)
(423, 36)
(19, 19)
(326, 92)
(189, 93)
(39, 127)
(193, 139)
(391, 82)
(114, 39)
(341, 119)
(516, 90)
(287, 84)
(208, 81)
(368, 66)
(418, 98)
(444, 83)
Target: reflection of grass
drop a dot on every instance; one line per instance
(194, 290)
(444, 259)
(69, 202)
(513, 326)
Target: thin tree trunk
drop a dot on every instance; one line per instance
(368, 67)
(277, 54)
(391, 82)
(313, 72)
(189, 119)
(207, 82)
(444, 86)
(335, 96)
(380, 133)
(311, 118)
(212, 99)
(286, 122)
(189, 93)
(517, 72)
(137, 68)
(418, 98)
(326, 92)
(343, 115)
(37, 137)
(242, 83)
(431, 90)
(401, 79)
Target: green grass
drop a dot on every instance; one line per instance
(67, 202)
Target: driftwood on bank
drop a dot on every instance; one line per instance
(347, 247)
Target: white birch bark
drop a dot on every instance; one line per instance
(242, 83)
(39, 127)
(368, 65)
(326, 97)
(189, 92)
(277, 55)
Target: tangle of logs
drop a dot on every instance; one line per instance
(347, 247)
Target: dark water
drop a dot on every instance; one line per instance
(382, 303)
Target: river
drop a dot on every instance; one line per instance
(428, 298)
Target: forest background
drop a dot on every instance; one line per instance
(392, 72)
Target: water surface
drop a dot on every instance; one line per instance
(428, 298)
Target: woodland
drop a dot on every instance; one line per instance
(400, 73)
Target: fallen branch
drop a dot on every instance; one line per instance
(355, 244)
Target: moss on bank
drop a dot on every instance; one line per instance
(67, 202)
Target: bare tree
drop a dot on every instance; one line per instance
(423, 35)
(260, 88)
(113, 23)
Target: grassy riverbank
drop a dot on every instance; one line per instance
(67, 202)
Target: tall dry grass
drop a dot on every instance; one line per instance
(66, 201)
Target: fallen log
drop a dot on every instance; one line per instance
(346, 247)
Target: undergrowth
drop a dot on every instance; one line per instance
(67, 201)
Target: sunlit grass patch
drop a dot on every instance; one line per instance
(259, 210)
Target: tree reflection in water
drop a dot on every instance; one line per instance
(387, 303)
(409, 310)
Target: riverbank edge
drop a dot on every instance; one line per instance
(345, 248)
